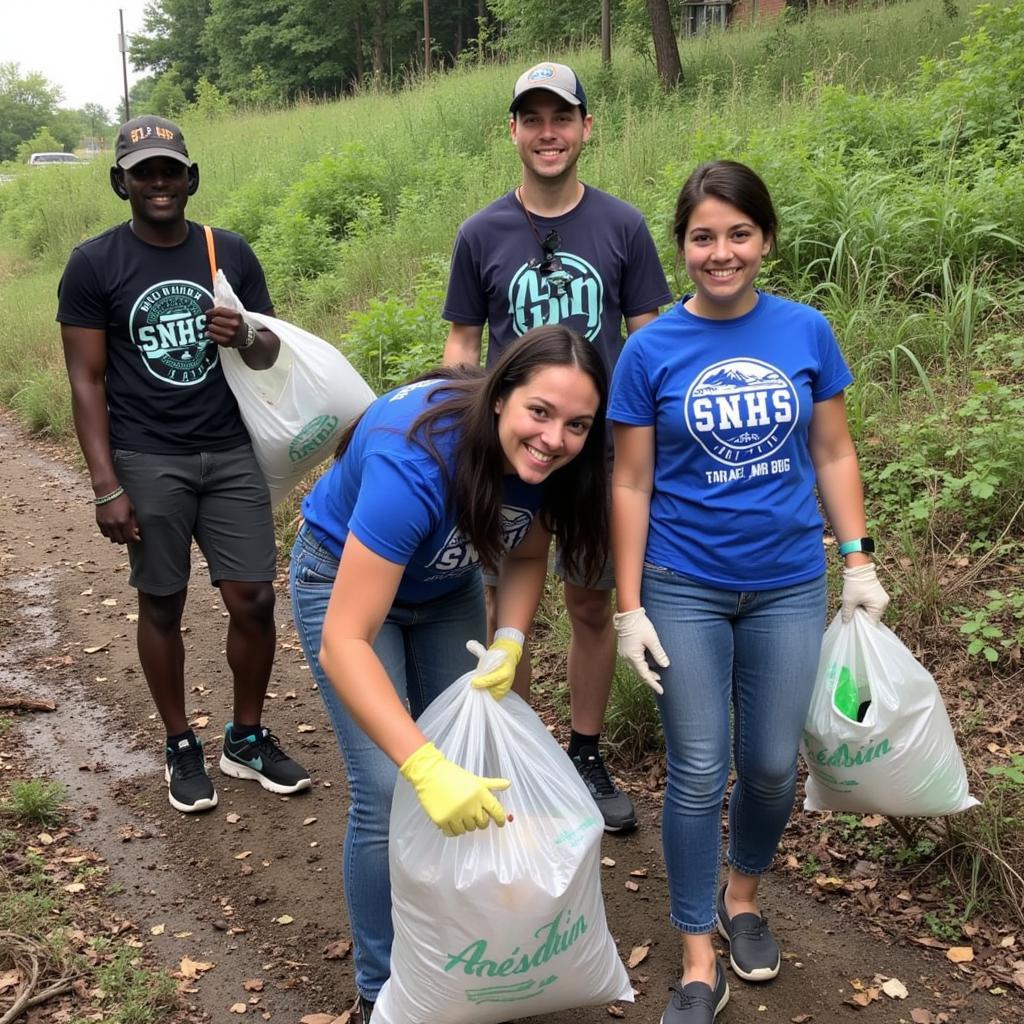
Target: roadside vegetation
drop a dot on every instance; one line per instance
(896, 155)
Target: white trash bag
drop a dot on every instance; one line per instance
(506, 922)
(295, 410)
(877, 738)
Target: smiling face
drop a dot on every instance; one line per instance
(549, 133)
(544, 423)
(157, 192)
(723, 249)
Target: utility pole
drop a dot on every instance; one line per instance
(122, 45)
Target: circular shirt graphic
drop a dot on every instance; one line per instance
(168, 325)
(570, 293)
(741, 410)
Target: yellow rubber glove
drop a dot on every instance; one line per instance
(496, 666)
(456, 801)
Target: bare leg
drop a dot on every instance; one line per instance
(162, 656)
(591, 656)
(252, 639)
(699, 959)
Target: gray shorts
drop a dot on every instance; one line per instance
(606, 581)
(219, 498)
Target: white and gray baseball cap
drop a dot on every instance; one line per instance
(556, 78)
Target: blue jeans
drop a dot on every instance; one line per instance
(756, 652)
(423, 650)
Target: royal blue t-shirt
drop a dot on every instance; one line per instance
(390, 492)
(734, 502)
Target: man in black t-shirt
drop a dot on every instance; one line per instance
(554, 250)
(168, 455)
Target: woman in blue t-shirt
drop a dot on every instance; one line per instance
(450, 471)
(729, 423)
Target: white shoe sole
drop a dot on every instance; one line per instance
(241, 771)
(199, 805)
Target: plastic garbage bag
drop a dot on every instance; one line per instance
(296, 410)
(877, 738)
(506, 922)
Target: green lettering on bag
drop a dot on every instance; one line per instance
(553, 942)
(312, 436)
(842, 757)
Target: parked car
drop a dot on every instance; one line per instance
(40, 159)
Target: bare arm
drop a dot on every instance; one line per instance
(227, 327)
(85, 355)
(634, 323)
(521, 582)
(839, 483)
(632, 483)
(463, 344)
(363, 592)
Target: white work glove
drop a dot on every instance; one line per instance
(496, 665)
(861, 589)
(637, 636)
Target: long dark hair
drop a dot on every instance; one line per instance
(574, 506)
(733, 183)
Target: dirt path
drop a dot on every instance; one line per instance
(220, 883)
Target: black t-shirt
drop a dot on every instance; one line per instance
(166, 391)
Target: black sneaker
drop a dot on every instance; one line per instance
(697, 1002)
(616, 808)
(188, 786)
(259, 756)
(753, 951)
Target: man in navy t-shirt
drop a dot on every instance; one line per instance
(168, 455)
(557, 251)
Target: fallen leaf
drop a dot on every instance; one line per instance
(157, 929)
(201, 722)
(895, 989)
(338, 949)
(829, 882)
(284, 919)
(9, 979)
(304, 727)
(638, 956)
(929, 941)
(233, 819)
(802, 1018)
(318, 1018)
(237, 1008)
(243, 855)
(614, 1010)
(607, 862)
(309, 821)
(191, 969)
(87, 592)
(253, 984)
(45, 838)
(109, 602)
(872, 820)
(960, 954)
(96, 647)
(1007, 941)
(632, 886)
(919, 1016)
(639, 873)
(74, 887)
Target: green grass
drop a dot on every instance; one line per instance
(35, 801)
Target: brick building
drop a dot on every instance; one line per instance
(701, 15)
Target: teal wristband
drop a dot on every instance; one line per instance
(849, 547)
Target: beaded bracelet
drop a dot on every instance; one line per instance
(108, 497)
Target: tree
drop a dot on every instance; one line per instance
(26, 104)
(172, 40)
(41, 142)
(666, 51)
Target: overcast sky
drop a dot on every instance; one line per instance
(73, 43)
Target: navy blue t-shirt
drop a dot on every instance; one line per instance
(391, 493)
(609, 270)
(166, 391)
(734, 501)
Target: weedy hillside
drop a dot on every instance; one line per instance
(892, 140)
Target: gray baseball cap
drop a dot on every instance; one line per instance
(556, 78)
